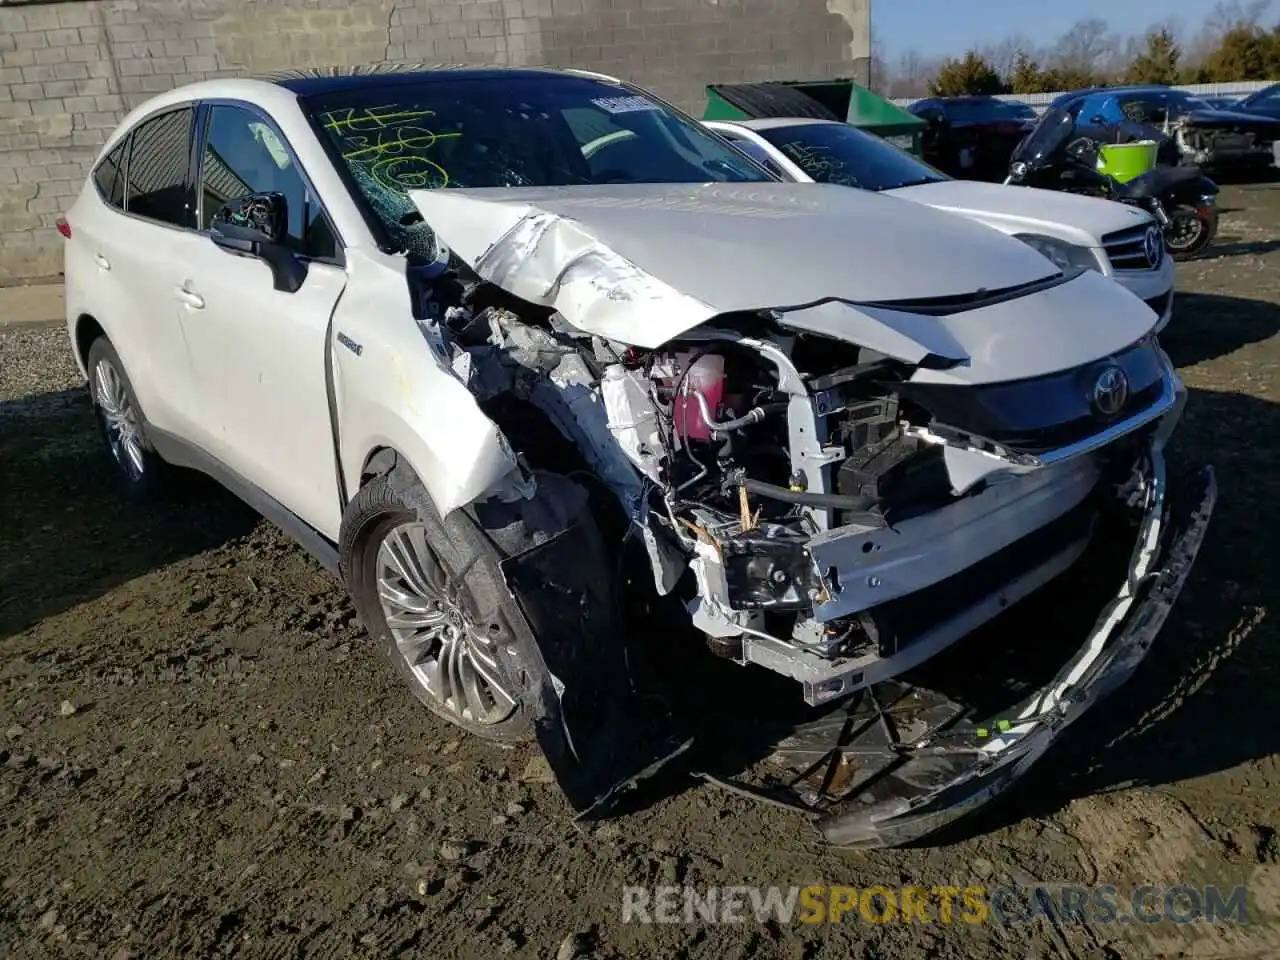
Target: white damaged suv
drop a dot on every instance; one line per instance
(566, 422)
(1115, 239)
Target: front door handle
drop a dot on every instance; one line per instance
(193, 300)
(102, 262)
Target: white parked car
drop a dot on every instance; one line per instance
(527, 392)
(1115, 239)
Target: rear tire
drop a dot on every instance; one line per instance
(142, 475)
(1190, 231)
(419, 585)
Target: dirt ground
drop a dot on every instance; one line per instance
(202, 757)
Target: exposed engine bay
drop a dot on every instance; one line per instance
(793, 491)
(1205, 143)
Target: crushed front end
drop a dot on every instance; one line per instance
(938, 507)
(842, 492)
(1228, 142)
(845, 527)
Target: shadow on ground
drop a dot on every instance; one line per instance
(1242, 249)
(66, 534)
(1206, 326)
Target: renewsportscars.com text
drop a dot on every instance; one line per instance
(816, 904)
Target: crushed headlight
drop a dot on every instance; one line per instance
(1065, 255)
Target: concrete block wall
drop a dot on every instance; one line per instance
(70, 70)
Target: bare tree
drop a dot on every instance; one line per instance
(880, 80)
(1226, 16)
(1089, 47)
(911, 76)
(1003, 54)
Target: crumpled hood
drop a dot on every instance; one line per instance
(1069, 216)
(643, 263)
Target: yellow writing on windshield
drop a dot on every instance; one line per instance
(817, 163)
(389, 144)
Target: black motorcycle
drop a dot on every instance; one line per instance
(1182, 199)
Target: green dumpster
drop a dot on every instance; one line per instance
(816, 99)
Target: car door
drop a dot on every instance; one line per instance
(258, 354)
(137, 250)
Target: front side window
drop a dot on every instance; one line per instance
(159, 170)
(841, 154)
(1140, 111)
(109, 174)
(244, 155)
(512, 131)
(1098, 108)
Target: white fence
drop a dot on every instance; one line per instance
(1040, 101)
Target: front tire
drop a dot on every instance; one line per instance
(1190, 231)
(416, 580)
(141, 473)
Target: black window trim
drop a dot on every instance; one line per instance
(198, 140)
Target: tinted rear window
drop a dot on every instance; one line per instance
(973, 111)
(159, 170)
(109, 175)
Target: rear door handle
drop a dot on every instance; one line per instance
(193, 300)
(102, 262)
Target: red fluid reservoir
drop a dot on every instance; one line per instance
(706, 377)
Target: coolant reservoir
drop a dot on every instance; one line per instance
(706, 377)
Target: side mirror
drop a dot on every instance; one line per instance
(258, 226)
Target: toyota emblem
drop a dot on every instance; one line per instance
(1110, 391)
(1154, 247)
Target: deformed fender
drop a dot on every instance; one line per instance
(392, 389)
(459, 457)
(553, 563)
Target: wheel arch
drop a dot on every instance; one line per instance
(85, 330)
(459, 457)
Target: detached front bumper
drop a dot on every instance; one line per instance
(962, 770)
(900, 762)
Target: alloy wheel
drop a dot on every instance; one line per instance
(119, 419)
(450, 656)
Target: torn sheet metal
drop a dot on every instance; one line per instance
(643, 263)
(633, 420)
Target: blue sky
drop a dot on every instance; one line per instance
(947, 27)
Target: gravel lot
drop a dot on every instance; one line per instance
(201, 757)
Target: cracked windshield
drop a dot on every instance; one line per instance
(512, 133)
